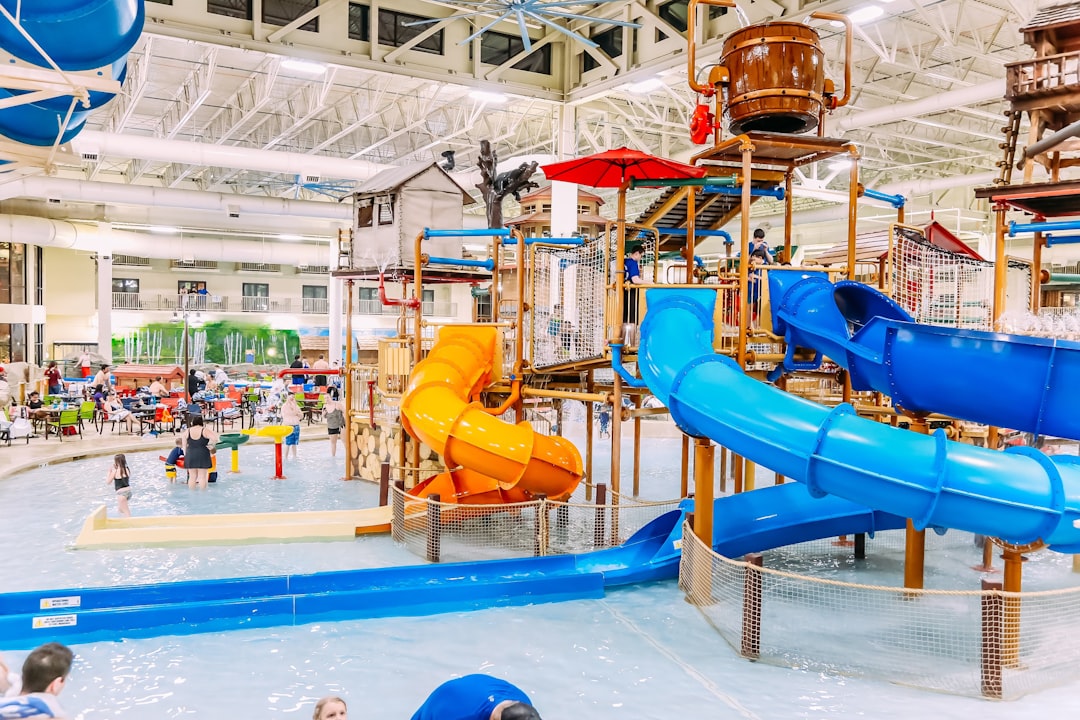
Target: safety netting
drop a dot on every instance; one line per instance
(566, 295)
(968, 642)
(938, 287)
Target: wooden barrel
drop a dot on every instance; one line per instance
(777, 78)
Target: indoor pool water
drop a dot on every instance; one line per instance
(641, 652)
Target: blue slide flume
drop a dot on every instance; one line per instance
(1016, 381)
(1019, 496)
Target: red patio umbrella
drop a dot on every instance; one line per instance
(612, 168)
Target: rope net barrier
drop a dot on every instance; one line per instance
(566, 295)
(985, 643)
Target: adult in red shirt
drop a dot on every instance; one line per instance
(53, 378)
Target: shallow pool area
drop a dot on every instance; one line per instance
(640, 652)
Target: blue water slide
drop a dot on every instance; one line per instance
(1020, 496)
(1012, 380)
(78, 35)
(749, 522)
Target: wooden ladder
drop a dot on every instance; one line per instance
(1008, 145)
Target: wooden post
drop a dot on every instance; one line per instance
(434, 528)
(993, 607)
(589, 407)
(914, 556)
(737, 471)
(599, 525)
(384, 484)
(749, 475)
(723, 468)
(751, 608)
(1014, 565)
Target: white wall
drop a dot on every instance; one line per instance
(70, 304)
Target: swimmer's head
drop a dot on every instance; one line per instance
(519, 711)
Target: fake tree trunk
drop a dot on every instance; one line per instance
(496, 186)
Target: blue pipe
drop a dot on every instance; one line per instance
(488, 264)
(549, 240)
(897, 201)
(1019, 496)
(681, 232)
(1052, 240)
(777, 192)
(466, 232)
(1016, 228)
(617, 366)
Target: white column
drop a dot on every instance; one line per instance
(564, 195)
(335, 308)
(104, 293)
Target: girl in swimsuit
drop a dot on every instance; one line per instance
(120, 476)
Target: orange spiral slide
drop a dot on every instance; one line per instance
(491, 461)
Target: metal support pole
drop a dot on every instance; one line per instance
(747, 150)
(684, 474)
(1036, 265)
(637, 447)
(703, 490)
(347, 385)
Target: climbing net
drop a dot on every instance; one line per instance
(567, 299)
(939, 287)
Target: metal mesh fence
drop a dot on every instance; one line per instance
(938, 287)
(567, 298)
(449, 532)
(977, 643)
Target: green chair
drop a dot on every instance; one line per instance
(68, 418)
(86, 412)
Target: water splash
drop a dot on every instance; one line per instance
(744, 19)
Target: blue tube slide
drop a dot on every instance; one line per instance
(1019, 496)
(77, 34)
(749, 522)
(1017, 381)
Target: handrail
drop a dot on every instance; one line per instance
(837, 17)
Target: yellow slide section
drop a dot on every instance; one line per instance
(499, 462)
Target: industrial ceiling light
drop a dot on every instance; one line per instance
(304, 67)
(865, 14)
(290, 238)
(163, 229)
(485, 96)
(645, 86)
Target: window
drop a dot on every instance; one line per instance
(610, 41)
(12, 342)
(184, 287)
(12, 273)
(386, 210)
(368, 301)
(314, 299)
(39, 280)
(497, 48)
(674, 13)
(125, 285)
(39, 344)
(256, 297)
(364, 213)
(482, 305)
(394, 32)
(283, 12)
(314, 291)
(359, 22)
(428, 303)
(230, 8)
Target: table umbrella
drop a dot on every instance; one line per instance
(612, 168)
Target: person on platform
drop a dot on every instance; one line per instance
(53, 379)
(44, 675)
(477, 697)
(632, 271)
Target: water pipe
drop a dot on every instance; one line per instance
(671, 255)
(1050, 141)
(515, 396)
(387, 301)
(1064, 278)
(897, 201)
(776, 192)
(681, 232)
(548, 240)
(466, 232)
(488, 264)
(617, 366)
(724, 181)
(1016, 228)
(1062, 240)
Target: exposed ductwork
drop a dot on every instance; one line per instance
(90, 238)
(228, 205)
(984, 92)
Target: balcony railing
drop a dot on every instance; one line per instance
(250, 304)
